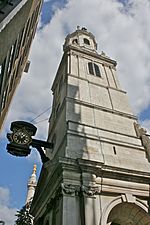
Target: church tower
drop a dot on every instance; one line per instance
(32, 182)
(99, 171)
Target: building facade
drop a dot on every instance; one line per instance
(18, 22)
(99, 170)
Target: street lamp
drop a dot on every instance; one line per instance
(21, 140)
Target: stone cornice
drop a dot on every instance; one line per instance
(130, 116)
(90, 53)
(97, 84)
(56, 185)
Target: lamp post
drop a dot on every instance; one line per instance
(21, 140)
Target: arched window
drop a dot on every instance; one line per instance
(75, 41)
(94, 69)
(86, 41)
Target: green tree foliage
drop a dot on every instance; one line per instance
(24, 217)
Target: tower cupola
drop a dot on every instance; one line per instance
(81, 38)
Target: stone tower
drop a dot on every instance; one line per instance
(99, 171)
(32, 182)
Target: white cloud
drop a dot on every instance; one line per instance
(123, 33)
(4, 196)
(7, 213)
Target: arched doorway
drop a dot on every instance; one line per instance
(128, 214)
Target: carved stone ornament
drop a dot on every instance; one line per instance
(142, 134)
(75, 190)
(127, 197)
(74, 54)
(113, 68)
(70, 189)
(139, 130)
(90, 190)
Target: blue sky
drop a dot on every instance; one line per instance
(14, 174)
(120, 31)
(48, 9)
(145, 114)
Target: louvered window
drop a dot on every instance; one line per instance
(75, 41)
(86, 41)
(97, 70)
(90, 66)
(94, 69)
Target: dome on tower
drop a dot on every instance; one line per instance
(81, 38)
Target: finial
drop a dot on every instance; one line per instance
(34, 168)
(78, 27)
(103, 53)
(84, 28)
